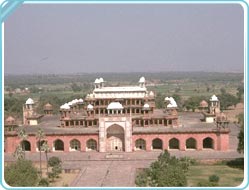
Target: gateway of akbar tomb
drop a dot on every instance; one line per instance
(120, 119)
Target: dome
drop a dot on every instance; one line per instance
(29, 101)
(47, 106)
(65, 106)
(214, 98)
(142, 80)
(10, 119)
(115, 106)
(101, 80)
(146, 106)
(70, 103)
(151, 93)
(75, 101)
(203, 104)
(96, 81)
(80, 100)
(167, 99)
(90, 107)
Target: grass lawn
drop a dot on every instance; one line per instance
(229, 177)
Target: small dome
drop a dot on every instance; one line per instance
(80, 100)
(10, 119)
(203, 104)
(75, 101)
(90, 107)
(146, 106)
(115, 106)
(172, 102)
(142, 80)
(167, 99)
(96, 81)
(151, 93)
(101, 80)
(65, 106)
(214, 98)
(47, 106)
(29, 101)
(70, 103)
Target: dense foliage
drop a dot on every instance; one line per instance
(56, 169)
(167, 171)
(21, 174)
(240, 148)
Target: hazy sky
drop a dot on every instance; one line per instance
(76, 38)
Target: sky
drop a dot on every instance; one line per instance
(90, 38)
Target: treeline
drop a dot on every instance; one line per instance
(25, 80)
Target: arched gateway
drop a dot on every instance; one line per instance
(115, 138)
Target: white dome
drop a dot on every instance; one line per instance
(151, 93)
(70, 103)
(172, 102)
(90, 107)
(80, 100)
(142, 80)
(146, 105)
(96, 81)
(115, 106)
(29, 101)
(65, 106)
(75, 101)
(214, 98)
(101, 80)
(167, 99)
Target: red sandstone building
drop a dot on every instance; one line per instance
(119, 119)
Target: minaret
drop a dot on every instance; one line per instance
(142, 82)
(214, 107)
(28, 110)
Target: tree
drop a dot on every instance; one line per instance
(167, 171)
(240, 137)
(40, 135)
(46, 149)
(23, 136)
(21, 174)
(240, 92)
(159, 100)
(75, 87)
(193, 102)
(19, 153)
(227, 100)
(55, 163)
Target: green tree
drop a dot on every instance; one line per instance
(21, 174)
(19, 153)
(159, 100)
(75, 87)
(40, 135)
(46, 149)
(240, 92)
(55, 163)
(227, 100)
(23, 136)
(193, 102)
(240, 147)
(167, 171)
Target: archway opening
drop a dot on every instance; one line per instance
(191, 143)
(157, 144)
(26, 145)
(115, 138)
(58, 145)
(140, 144)
(208, 143)
(174, 143)
(75, 145)
(91, 145)
(39, 145)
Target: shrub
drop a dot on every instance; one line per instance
(214, 178)
(43, 182)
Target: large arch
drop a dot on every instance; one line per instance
(75, 145)
(26, 145)
(157, 144)
(140, 144)
(115, 138)
(39, 144)
(58, 145)
(208, 143)
(174, 143)
(91, 145)
(191, 143)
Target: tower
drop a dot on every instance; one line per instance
(28, 110)
(214, 107)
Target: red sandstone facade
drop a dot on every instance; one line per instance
(116, 119)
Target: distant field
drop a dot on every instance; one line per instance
(229, 177)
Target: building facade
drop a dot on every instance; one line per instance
(114, 119)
